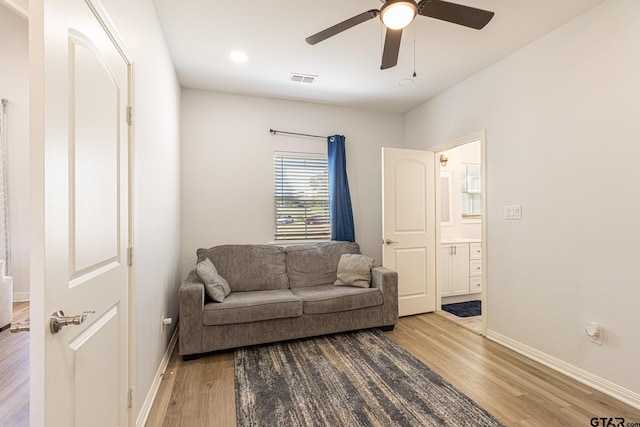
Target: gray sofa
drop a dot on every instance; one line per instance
(280, 294)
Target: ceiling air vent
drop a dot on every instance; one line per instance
(303, 78)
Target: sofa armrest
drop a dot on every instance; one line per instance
(387, 281)
(191, 295)
(191, 328)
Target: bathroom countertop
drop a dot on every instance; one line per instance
(459, 240)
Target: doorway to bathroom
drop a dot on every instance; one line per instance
(459, 232)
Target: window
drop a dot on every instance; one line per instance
(471, 197)
(301, 196)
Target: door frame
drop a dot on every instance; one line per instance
(37, 288)
(482, 137)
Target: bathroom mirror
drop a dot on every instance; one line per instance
(445, 197)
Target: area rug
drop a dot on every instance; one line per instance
(352, 379)
(464, 309)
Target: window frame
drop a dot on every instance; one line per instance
(471, 192)
(301, 218)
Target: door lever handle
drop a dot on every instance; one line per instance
(21, 327)
(389, 241)
(59, 320)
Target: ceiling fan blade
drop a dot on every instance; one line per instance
(344, 25)
(391, 48)
(456, 13)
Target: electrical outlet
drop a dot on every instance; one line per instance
(594, 331)
(163, 322)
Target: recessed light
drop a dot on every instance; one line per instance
(238, 56)
(405, 82)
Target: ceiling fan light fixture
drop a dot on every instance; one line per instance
(398, 14)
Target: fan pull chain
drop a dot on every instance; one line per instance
(414, 49)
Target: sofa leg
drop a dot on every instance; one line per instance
(387, 328)
(188, 357)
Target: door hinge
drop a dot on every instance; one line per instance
(129, 257)
(130, 399)
(129, 115)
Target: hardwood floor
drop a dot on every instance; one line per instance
(474, 323)
(14, 372)
(518, 391)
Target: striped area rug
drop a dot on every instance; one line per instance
(353, 379)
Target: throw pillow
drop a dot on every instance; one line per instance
(215, 285)
(354, 270)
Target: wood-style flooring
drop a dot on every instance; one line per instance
(14, 372)
(200, 393)
(518, 391)
(473, 323)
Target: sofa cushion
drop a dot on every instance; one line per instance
(215, 285)
(323, 299)
(354, 270)
(252, 306)
(249, 267)
(316, 264)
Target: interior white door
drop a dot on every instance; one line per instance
(408, 226)
(80, 194)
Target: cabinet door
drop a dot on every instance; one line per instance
(460, 269)
(444, 270)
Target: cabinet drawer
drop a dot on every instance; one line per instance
(475, 251)
(475, 284)
(475, 267)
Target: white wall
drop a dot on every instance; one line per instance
(563, 141)
(14, 86)
(227, 165)
(156, 186)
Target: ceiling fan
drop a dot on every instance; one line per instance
(397, 14)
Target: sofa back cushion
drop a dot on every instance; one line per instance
(316, 264)
(249, 267)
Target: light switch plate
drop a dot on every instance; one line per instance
(513, 212)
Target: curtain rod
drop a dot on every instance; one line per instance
(274, 132)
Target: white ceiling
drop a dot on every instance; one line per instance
(202, 33)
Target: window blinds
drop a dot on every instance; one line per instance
(301, 196)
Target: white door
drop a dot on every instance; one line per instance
(408, 226)
(80, 223)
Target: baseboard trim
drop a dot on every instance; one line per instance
(605, 386)
(21, 296)
(155, 386)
